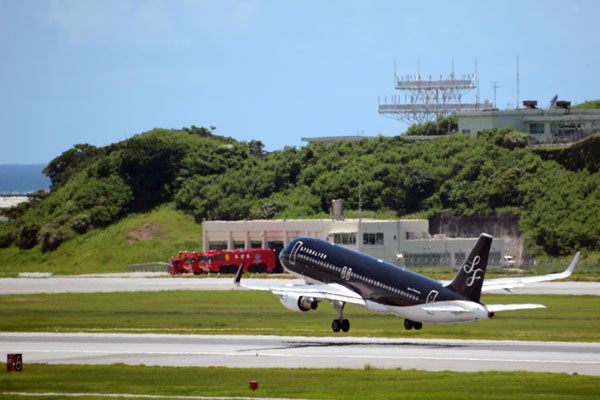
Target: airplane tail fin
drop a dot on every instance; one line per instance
(469, 279)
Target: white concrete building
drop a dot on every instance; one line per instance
(539, 123)
(401, 242)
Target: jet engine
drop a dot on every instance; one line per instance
(298, 303)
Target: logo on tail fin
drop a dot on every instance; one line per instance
(472, 272)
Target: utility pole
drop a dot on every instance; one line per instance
(517, 81)
(495, 85)
(361, 133)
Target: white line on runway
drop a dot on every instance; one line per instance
(309, 356)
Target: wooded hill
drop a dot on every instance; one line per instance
(555, 192)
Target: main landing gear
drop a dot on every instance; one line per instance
(408, 324)
(340, 323)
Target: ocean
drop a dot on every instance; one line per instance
(21, 179)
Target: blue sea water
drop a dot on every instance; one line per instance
(20, 179)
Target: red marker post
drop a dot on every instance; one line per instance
(14, 362)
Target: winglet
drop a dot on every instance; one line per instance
(573, 263)
(238, 275)
(566, 273)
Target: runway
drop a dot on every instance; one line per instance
(303, 352)
(135, 282)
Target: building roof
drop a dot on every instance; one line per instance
(331, 139)
(559, 113)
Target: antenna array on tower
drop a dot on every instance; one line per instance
(426, 99)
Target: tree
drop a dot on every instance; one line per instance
(63, 167)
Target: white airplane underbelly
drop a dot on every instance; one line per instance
(443, 312)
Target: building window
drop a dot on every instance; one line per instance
(554, 128)
(344, 238)
(373, 239)
(217, 245)
(536, 128)
(466, 131)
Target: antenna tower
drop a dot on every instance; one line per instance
(495, 85)
(425, 100)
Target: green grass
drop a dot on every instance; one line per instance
(369, 383)
(106, 250)
(567, 318)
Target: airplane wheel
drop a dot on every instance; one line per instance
(418, 325)
(408, 324)
(345, 325)
(336, 325)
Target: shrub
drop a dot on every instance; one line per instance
(51, 237)
(81, 223)
(26, 235)
(7, 233)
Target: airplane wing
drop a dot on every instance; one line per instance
(519, 281)
(445, 307)
(332, 291)
(457, 308)
(509, 307)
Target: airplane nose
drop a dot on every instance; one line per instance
(284, 255)
(287, 250)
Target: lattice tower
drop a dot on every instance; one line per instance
(426, 99)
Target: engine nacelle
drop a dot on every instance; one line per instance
(298, 303)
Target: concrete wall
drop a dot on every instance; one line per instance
(499, 226)
(447, 251)
(484, 120)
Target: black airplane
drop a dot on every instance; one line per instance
(341, 276)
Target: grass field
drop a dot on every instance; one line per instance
(108, 250)
(567, 318)
(368, 383)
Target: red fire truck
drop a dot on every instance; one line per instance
(222, 261)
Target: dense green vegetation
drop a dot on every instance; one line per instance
(588, 105)
(582, 155)
(442, 126)
(566, 318)
(339, 383)
(213, 177)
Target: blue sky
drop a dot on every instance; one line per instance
(90, 71)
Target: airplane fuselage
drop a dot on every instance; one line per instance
(384, 286)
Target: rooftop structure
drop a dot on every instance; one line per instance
(426, 99)
(333, 139)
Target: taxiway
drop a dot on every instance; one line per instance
(140, 282)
